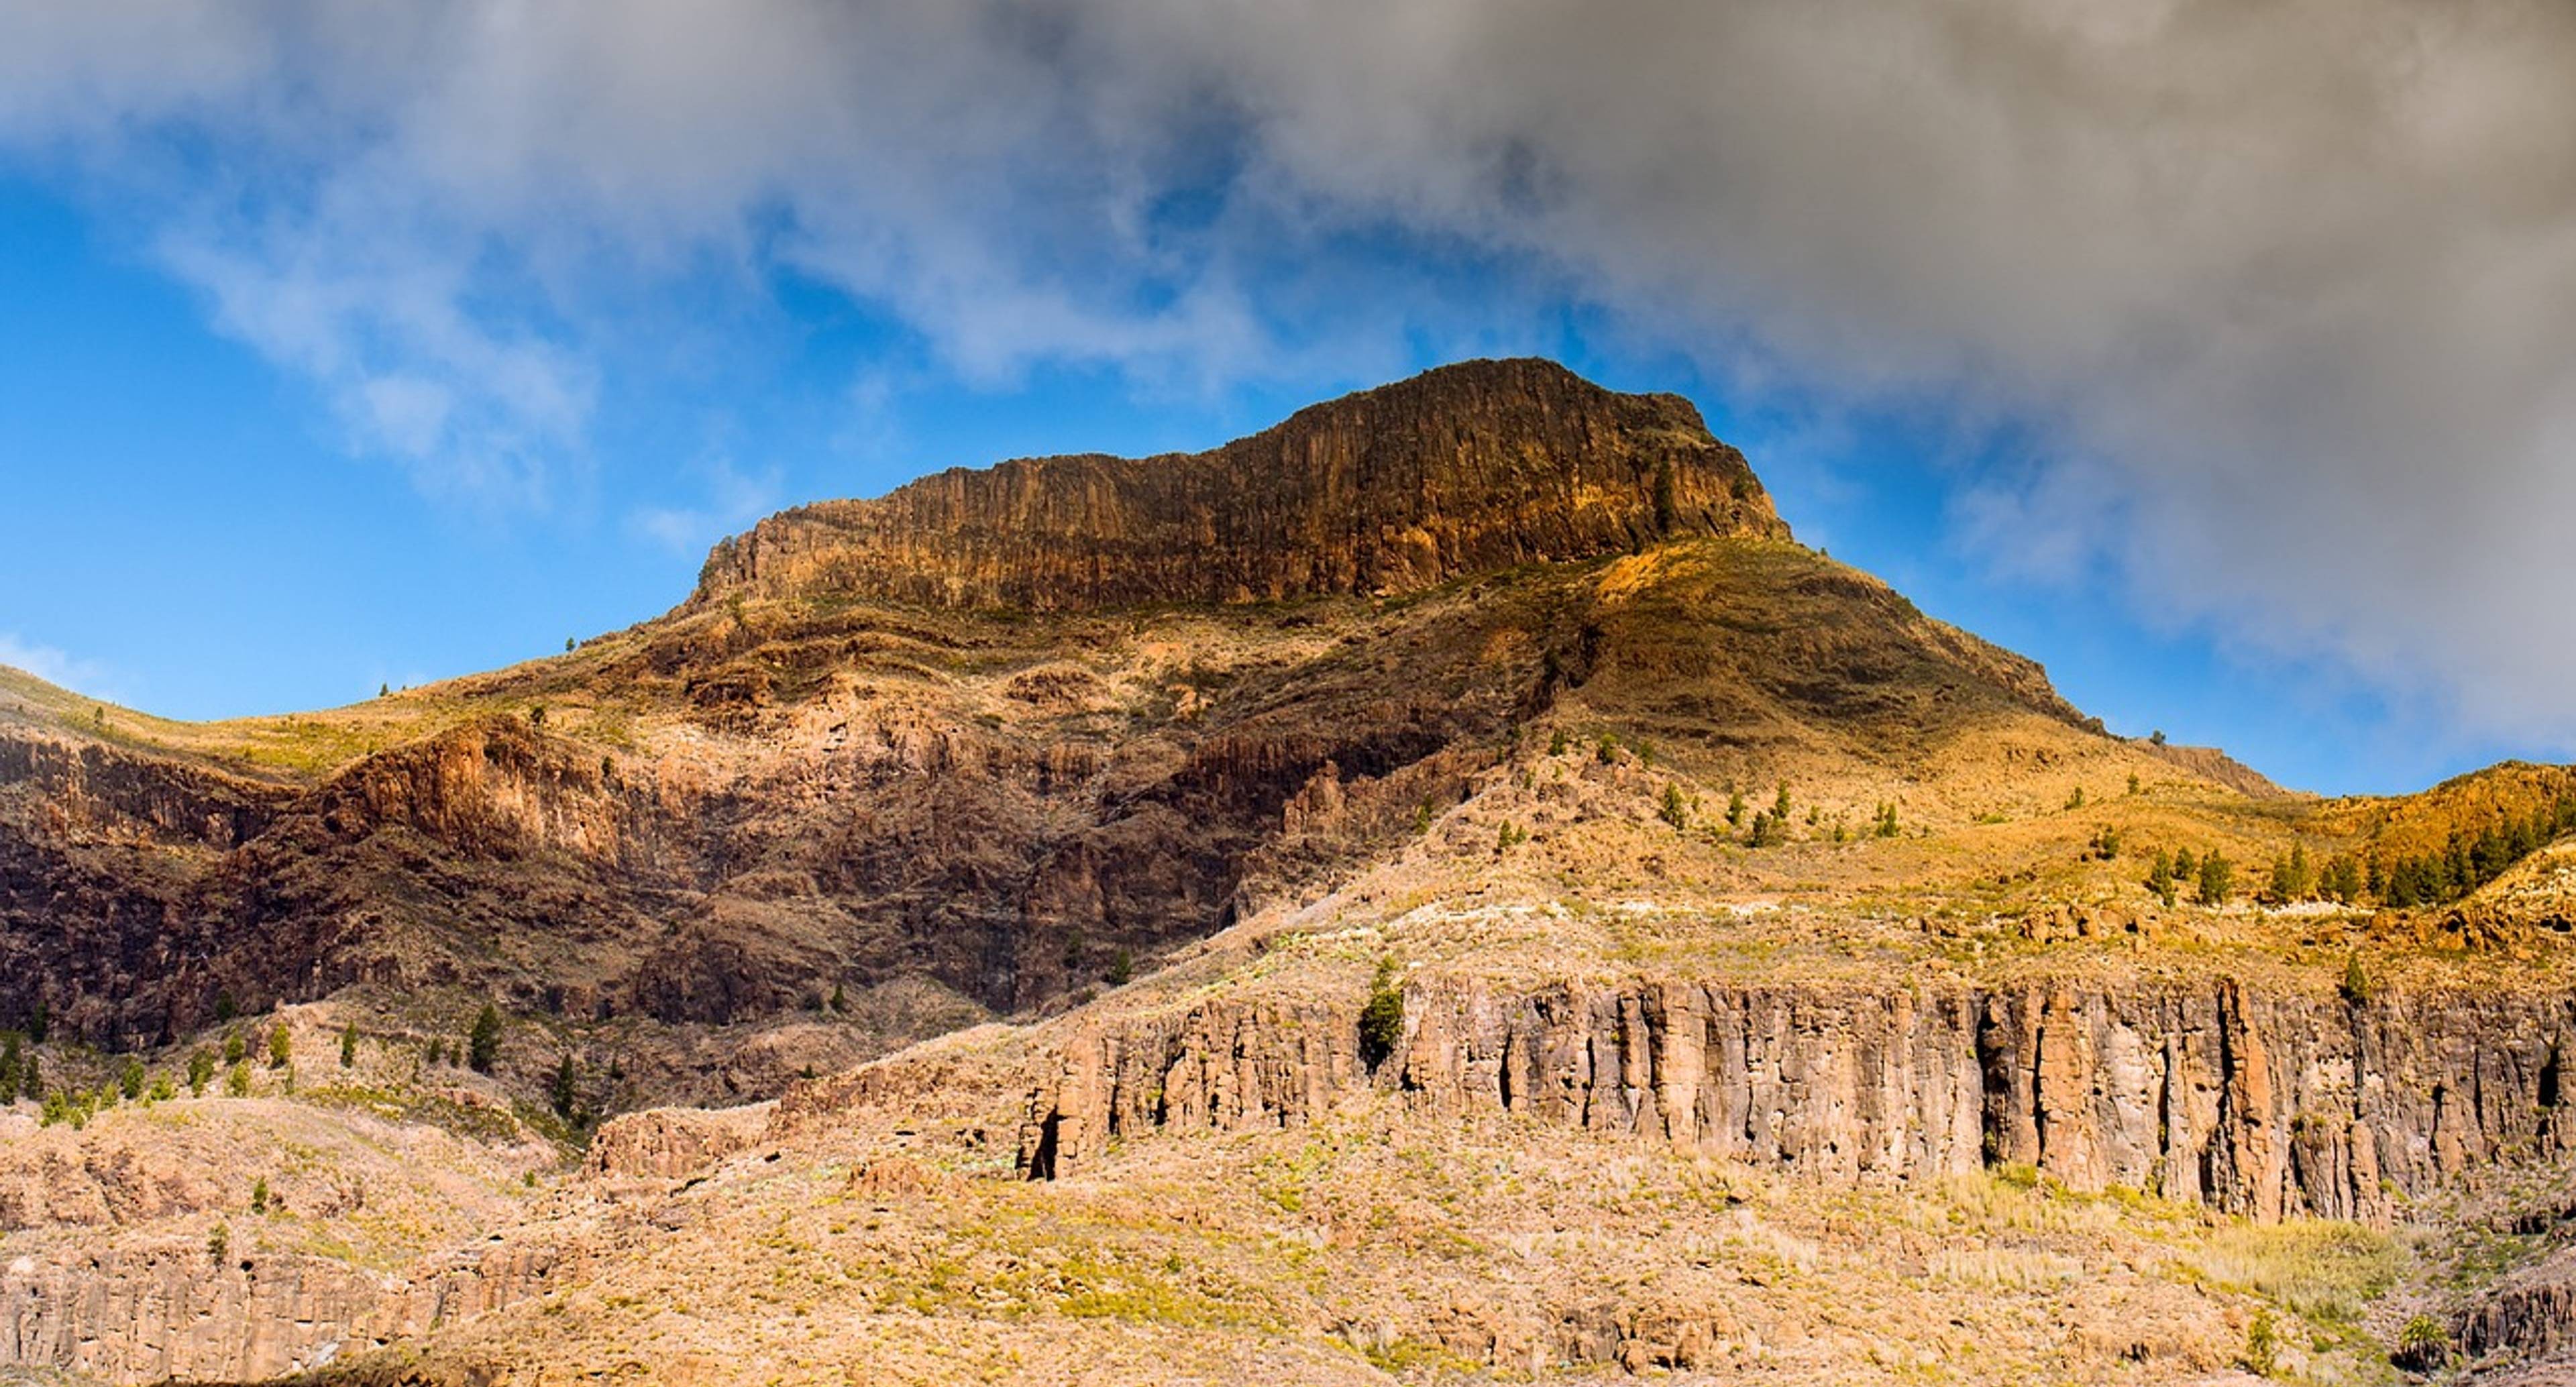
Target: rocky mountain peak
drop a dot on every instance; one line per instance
(1475, 467)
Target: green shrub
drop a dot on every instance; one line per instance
(2262, 1343)
(2422, 1345)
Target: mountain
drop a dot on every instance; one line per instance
(1446, 886)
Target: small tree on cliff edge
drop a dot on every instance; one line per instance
(1382, 1020)
(483, 1044)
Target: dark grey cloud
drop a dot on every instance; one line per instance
(2284, 292)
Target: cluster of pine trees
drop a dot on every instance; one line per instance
(2211, 875)
(2466, 863)
(2398, 881)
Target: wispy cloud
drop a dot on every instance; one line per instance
(58, 667)
(731, 499)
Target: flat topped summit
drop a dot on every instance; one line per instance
(1470, 468)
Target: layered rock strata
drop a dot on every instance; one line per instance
(1471, 468)
(2265, 1105)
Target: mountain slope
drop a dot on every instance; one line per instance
(1773, 969)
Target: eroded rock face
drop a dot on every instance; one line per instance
(2268, 1106)
(151, 1313)
(1466, 469)
(669, 1143)
(155, 1312)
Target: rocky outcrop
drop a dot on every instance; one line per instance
(150, 1313)
(670, 1143)
(2531, 1313)
(2268, 1106)
(1467, 469)
(156, 1311)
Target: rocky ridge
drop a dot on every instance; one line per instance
(1469, 469)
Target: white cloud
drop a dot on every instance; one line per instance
(56, 667)
(732, 499)
(2282, 291)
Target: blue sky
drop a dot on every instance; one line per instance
(190, 532)
(345, 347)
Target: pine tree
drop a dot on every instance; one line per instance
(129, 1081)
(281, 1047)
(566, 1081)
(349, 1045)
(201, 1070)
(1734, 807)
(1382, 1019)
(2217, 878)
(2160, 877)
(1675, 809)
(483, 1044)
(1780, 806)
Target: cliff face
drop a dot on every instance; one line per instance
(2270, 1106)
(1467, 469)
